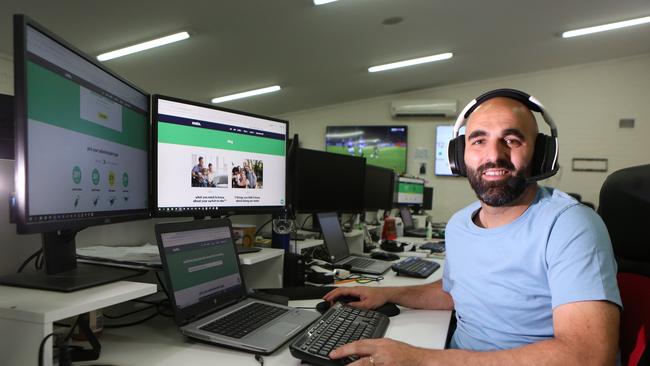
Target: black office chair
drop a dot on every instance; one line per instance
(625, 208)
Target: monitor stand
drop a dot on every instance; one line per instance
(62, 273)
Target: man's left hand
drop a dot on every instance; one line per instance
(381, 352)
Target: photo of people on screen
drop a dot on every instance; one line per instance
(248, 174)
(205, 172)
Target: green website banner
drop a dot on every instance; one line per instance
(202, 137)
(55, 100)
(185, 279)
(410, 188)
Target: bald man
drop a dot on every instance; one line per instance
(529, 271)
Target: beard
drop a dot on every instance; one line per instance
(497, 193)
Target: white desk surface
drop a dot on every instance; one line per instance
(40, 306)
(262, 255)
(158, 341)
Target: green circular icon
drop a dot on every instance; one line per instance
(125, 179)
(76, 175)
(111, 178)
(95, 176)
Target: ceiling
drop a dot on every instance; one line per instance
(320, 54)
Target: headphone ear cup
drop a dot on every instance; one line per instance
(544, 155)
(456, 152)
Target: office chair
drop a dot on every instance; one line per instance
(635, 319)
(625, 208)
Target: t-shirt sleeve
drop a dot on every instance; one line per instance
(580, 259)
(446, 281)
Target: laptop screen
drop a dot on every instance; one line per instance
(202, 264)
(405, 213)
(333, 235)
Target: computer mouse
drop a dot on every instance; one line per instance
(384, 256)
(323, 306)
(389, 309)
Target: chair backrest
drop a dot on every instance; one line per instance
(625, 208)
(635, 319)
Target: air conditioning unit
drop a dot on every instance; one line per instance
(424, 107)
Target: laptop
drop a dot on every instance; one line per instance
(338, 249)
(409, 226)
(208, 295)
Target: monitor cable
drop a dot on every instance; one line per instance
(36, 256)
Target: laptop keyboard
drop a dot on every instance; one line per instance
(360, 262)
(245, 320)
(338, 326)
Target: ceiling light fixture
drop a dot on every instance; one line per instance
(322, 2)
(415, 61)
(605, 27)
(144, 46)
(246, 94)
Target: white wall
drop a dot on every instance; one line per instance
(586, 102)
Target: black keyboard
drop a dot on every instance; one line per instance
(340, 325)
(438, 247)
(245, 320)
(415, 267)
(360, 262)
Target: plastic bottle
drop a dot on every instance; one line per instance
(429, 229)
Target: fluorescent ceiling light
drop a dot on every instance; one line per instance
(245, 94)
(144, 46)
(605, 27)
(415, 61)
(321, 2)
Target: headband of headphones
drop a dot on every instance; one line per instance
(528, 100)
(545, 158)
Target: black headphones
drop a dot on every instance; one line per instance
(544, 163)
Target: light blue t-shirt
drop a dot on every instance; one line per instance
(506, 281)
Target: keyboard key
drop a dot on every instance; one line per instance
(245, 320)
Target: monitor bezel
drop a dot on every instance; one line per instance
(221, 211)
(23, 225)
(388, 126)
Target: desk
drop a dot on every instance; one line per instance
(26, 315)
(158, 341)
(263, 269)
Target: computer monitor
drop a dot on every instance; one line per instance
(81, 151)
(328, 182)
(379, 188)
(427, 199)
(211, 161)
(409, 191)
(383, 146)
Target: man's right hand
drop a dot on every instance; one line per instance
(369, 297)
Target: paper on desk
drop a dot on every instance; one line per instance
(146, 254)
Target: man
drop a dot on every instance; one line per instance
(529, 271)
(197, 173)
(210, 177)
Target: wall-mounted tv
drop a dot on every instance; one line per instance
(443, 136)
(383, 146)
